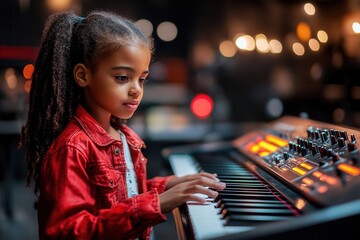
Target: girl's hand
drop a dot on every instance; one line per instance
(176, 180)
(183, 189)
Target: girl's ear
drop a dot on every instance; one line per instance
(80, 72)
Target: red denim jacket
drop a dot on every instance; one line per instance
(83, 191)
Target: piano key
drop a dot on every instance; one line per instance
(183, 165)
(253, 201)
(249, 191)
(249, 196)
(262, 186)
(207, 224)
(224, 205)
(255, 182)
(250, 220)
(256, 211)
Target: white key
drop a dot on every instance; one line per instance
(182, 165)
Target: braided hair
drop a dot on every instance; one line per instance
(67, 40)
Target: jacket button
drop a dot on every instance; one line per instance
(117, 151)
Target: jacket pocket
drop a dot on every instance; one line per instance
(106, 183)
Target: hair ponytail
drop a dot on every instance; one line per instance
(54, 94)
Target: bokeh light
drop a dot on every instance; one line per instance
(28, 71)
(202, 105)
(298, 49)
(146, 26)
(167, 31)
(227, 48)
(322, 36)
(309, 9)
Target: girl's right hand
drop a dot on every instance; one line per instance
(185, 191)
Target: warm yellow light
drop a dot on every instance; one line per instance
(309, 9)
(314, 44)
(268, 146)
(356, 27)
(275, 46)
(278, 141)
(11, 78)
(331, 180)
(263, 154)
(298, 49)
(255, 149)
(303, 31)
(352, 170)
(322, 36)
(306, 165)
(322, 189)
(318, 174)
(299, 170)
(300, 203)
(261, 43)
(59, 5)
(227, 48)
(245, 42)
(307, 181)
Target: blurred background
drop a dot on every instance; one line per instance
(221, 67)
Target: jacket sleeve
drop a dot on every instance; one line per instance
(67, 205)
(158, 183)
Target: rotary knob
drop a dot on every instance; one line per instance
(314, 150)
(303, 151)
(335, 157)
(341, 142)
(323, 151)
(351, 146)
(333, 140)
(344, 135)
(310, 131)
(352, 137)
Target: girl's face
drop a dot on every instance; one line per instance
(116, 87)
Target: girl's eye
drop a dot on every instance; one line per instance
(143, 80)
(122, 78)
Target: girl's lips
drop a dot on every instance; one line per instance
(131, 105)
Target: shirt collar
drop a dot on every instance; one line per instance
(98, 135)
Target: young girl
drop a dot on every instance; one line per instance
(87, 165)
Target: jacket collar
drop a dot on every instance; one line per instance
(98, 135)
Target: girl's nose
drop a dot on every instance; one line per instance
(135, 89)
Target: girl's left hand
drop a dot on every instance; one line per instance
(176, 180)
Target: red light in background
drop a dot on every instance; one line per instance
(202, 105)
(27, 86)
(28, 71)
(18, 53)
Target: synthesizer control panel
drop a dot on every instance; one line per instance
(320, 160)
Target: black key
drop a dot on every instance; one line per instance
(257, 211)
(253, 205)
(241, 190)
(254, 201)
(245, 196)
